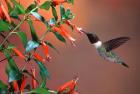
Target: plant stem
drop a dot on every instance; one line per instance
(42, 37)
(12, 32)
(22, 21)
(6, 58)
(51, 91)
(24, 66)
(4, 37)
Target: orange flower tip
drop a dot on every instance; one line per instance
(38, 57)
(68, 22)
(43, 43)
(19, 53)
(76, 79)
(48, 58)
(72, 39)
(43, 60)
(15, 85)
(80, 30)
(57, 2)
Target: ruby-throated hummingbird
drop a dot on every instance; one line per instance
(105, 48)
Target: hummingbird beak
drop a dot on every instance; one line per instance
(83, 31)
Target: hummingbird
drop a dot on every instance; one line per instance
(104, 49)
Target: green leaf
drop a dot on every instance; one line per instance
(3, 88)
(58, 36)
(71, 1)
(52, 22)
(69, 14)
(43, 69)
(12, 69)
(46, 5)
(1, 48)
(33, 32)
(41, 18)
(65, 15)
(2, 85)
(31, 45)
(49, 44)
(10, 46)
(40, 91)
(54, 12)
(62, 12)
(43, 82)
(31, 7)
(3, 91)
(23, 37)
(43, 73)
(4, 26)
(19, 7)
(14, 14)
(38, 16)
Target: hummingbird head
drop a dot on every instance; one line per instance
(93, 38)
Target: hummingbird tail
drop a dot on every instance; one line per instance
(125, 65)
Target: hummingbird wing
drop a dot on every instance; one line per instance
(115, 43)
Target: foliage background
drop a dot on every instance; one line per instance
(109, 19)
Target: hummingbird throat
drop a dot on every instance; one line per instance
(97, 44)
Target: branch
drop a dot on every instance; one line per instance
(22, 21)
(6, 58)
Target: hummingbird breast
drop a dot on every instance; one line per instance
(109, 56)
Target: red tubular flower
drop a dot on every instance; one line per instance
(38, 57)
(15, 85)
(46, 51)
(38, 1)
(69, 85)
(23, 84)
(34, 83)
(57, 30)
(57, 2)
(3, 13)
(68, 23)
(78, 29)
(19, 53)
(65, 33)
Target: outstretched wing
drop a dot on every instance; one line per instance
(115, 43)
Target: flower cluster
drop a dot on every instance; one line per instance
(10, 10)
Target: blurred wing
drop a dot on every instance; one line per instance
(115, 43)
